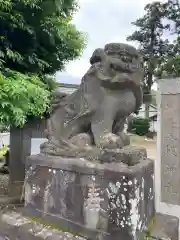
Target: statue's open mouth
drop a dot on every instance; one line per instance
(121, 78)
(123, 81)
(123, 67)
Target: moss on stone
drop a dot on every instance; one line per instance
(148, 233)
(53, 226)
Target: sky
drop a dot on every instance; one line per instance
(103, 21)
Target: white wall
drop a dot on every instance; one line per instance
(4, 138)
(153, 126)
(152, 111)
(35, 142)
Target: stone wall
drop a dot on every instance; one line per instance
(20, 146)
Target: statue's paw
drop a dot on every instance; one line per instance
(49, 144)
(81, 140)
(43, 145)
(124, 137)
(110, 141)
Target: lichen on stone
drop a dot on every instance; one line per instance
(54, 227)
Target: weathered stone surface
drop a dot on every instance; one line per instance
(14, 226)
(167, 164)
(170, 154)
(165, 227)
(112, 200)
(109, 92)
(128, 155)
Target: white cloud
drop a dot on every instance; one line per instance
(104, 21)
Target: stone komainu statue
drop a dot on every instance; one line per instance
(93, 117)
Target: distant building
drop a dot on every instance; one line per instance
(152, 111)
(68, 88)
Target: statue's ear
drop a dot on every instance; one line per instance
(97, 56)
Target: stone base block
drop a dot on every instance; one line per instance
(14, 226)
(97, 201)
(165, 227)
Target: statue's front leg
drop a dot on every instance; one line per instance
(101, 126)
(118, 129)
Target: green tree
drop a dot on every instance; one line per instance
(21, 96)
(170, 67)
(173, 14)
(37, 39)
(151, 44)
(37, 36)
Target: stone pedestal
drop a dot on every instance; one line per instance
(13, 225)
(98, 201)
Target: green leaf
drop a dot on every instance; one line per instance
(37, 39)
(21, 96)
(38, 36)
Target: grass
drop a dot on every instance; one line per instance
(148, 235)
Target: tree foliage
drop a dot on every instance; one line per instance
(161, 57)
(21, 96)
(37, 39)
(37, 36)
(171, 65)
(173, 14)
(149, 36)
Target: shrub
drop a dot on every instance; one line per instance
(130, 123)
(139, 126)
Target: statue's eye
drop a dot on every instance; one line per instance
(126, 59)
(95, 59)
